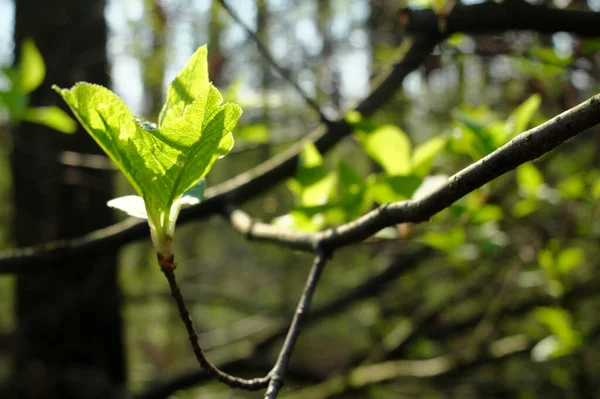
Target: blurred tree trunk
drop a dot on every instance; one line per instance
(69, 338)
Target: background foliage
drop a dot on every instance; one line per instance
(494, 297)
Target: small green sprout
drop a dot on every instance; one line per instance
(164, 162)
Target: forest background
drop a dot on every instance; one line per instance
(492, 294)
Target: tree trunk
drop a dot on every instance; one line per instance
(69, 339)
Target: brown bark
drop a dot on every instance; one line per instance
(69, 338)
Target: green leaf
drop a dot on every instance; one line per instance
(31, 69)
(525, 207)
(53, 117)
(392, 188)
(312, 184)
(352, 189)
(529, 179)
(191, 82)
(161, 162)
(572, 187)
(487, 213)
(445, 241)
(390, 147)
(359, 123)
(560, 323)
(254, 133)
(478, 135)
(521, 117)
(569, 258)
(423, 156)
(549, 55)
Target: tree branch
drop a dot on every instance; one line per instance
(302, 309)
(508, 15)
(167, 266)
(284, 73)
(237, 190)
(524, 148)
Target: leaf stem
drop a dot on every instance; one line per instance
(167, 266)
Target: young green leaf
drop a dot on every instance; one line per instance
(161, 162)
(52, 117)
(390, 147)
(31, 70)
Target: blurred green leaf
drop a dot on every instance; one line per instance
(456, 39)
(548, 55)
(31, 70)
(529, 179)
(310, 156)
(392, 188)
(572, 187)
(352, 189)
(390, 147)
(522, 116)
(312, 184)
(476, 138)
(424, 155)
(560, 323)
(359, 123)
(301, 221)
(257, 133)
(537, 69)
(569, 258)
(445, 241)
(52, 117)
(525, 207)
(487, 213)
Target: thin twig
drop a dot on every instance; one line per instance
(282, 71)
(278, 372)
(524, 148)
(167, 266)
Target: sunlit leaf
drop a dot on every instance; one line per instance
(390, 147)
(31, 70)
(52, 117)
(560, 323)
(392, 188)
(525, 207)
(529, 179)
(445, 241)
(522, 116)
(424, 154)
(161, 162)
(359, 123)
(549, 56)
(572, 187)
(456, 39)
(352, 190)
(254, 133)
(475, 137)
(537, 69)
(487, 213)
(569, 258)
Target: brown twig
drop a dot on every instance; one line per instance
(282, 71)
(524, 148)
(278, 372)
(167, 266)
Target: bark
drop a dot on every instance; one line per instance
(69, 338)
